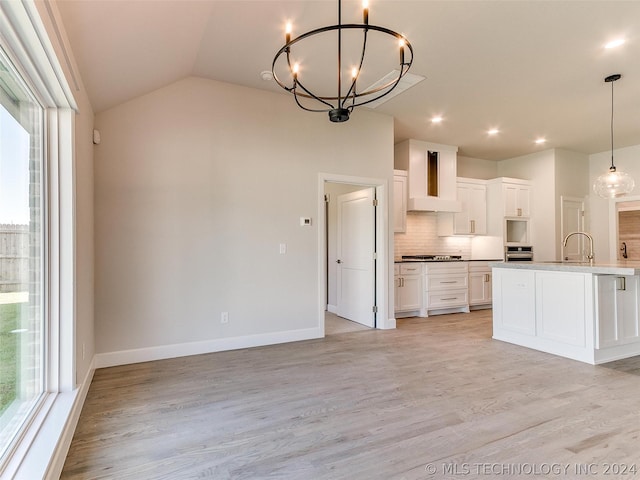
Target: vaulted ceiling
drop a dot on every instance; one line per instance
(528, 68)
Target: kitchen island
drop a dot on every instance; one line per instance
(583, 311)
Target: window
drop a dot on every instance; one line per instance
(21, 260)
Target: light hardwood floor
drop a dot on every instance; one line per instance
(435, 398)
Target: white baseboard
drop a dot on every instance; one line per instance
(332, 308)
(138, 355)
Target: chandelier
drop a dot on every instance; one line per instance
(340, 102)
(613, 183)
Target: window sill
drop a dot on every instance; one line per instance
(44, 446)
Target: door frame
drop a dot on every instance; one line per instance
(585, 228)
(381, 186)
(613, 223)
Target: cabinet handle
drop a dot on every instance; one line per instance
(450, 298)
(452, 281)
(473, 226)
(621, 283)
(487, 278)
(519, 212)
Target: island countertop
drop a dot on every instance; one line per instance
(602, 268)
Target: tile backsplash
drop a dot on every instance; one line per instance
(421, 238)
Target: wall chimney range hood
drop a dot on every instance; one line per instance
(431, 175)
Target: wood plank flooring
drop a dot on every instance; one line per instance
(435, 398)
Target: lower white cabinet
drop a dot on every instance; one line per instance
(618, 322)
(514, 302)
(408, 287)
(447, 288)
(479, 285)
(569, 311)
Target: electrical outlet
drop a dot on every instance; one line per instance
(224, 317)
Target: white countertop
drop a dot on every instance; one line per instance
(612, 268)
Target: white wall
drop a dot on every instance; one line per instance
(540, 169)
(572, 180)
(196, 185)
(477, 168)
(626, 160)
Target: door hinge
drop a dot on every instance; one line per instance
(375, 255)
(326, 198)
(375, 309)
(375, 202)
(582, 213)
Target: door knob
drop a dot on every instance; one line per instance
(338, 261)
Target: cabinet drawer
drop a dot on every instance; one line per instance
(447, 282)
(453, 298)
(410, 269)
(441, 268)
(482, 267)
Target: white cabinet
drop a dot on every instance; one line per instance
(508, 212)
(618, 322)
(514, 303)
(479, 285)
(447, 287)
(517, 198)
(408, 287)
(399, 201)
(472, 220)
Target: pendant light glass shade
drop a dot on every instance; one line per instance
(613, 183)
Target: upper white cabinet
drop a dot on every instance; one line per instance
(517, 198)
(431, 169)
(509, 210)
(472, 219)
(399, 201)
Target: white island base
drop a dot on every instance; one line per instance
(584, 312)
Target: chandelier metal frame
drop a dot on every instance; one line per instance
(340, 106)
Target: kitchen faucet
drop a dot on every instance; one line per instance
(590, 256)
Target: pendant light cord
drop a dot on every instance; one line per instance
(613, 167)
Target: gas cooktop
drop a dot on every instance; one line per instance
(431, 258)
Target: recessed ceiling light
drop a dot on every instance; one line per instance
(540, 141)
(615, 43)
(493, 131)
(436, 119)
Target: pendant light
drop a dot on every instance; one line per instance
(346, 96)
(613, 183)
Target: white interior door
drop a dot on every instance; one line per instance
(573, 221)
(355, 256)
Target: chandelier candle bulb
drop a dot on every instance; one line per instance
(287, 33)
(365, 11)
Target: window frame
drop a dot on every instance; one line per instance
(24, 39)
